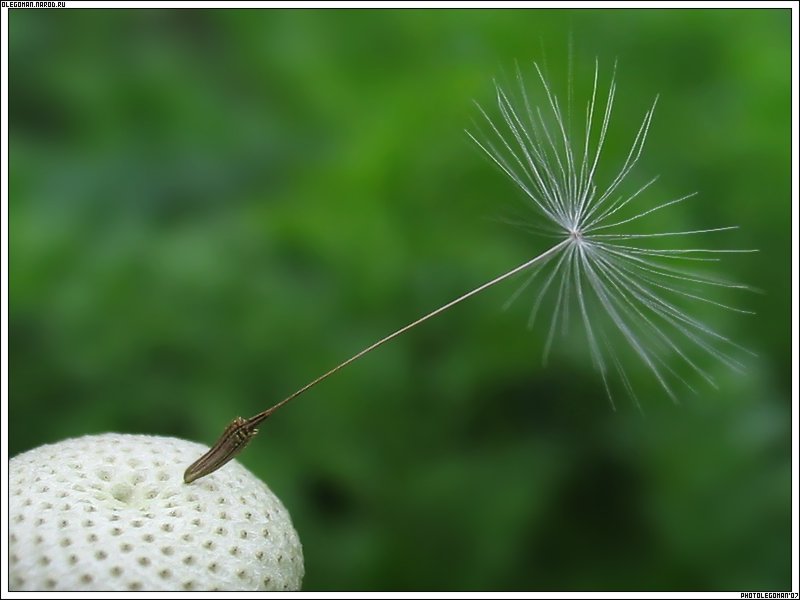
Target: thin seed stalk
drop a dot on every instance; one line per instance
(241, 431)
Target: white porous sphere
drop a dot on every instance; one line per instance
(111, 512)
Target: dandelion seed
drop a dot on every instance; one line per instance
(627, 298)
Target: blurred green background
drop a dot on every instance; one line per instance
(210, 208)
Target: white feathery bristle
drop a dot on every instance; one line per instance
(599, 268)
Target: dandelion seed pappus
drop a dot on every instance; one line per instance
(608, 273)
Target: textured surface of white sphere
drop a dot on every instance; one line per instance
(111, 512)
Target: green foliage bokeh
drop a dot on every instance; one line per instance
(210, 208)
